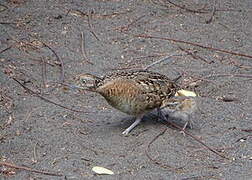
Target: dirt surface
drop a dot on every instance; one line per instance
(99, 37)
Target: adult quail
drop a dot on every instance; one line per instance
(132, 92)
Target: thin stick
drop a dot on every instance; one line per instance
(62, 77)
(204, 79)
(149, 56)
(83, 49)
(126, 27)
(8, 23)
(45, 99)
(212, 14)
(199, 10)
(194, 44)
(196, 139)
(232, 75)
(194, 55)
(247, 130)
(161, 60)
(91, 27)
(5, 49)
(43, 72)
(185, 8)
(154, 160)
(29, 169)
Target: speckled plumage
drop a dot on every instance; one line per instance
(132, 92)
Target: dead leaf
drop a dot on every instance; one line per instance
(102, 170)
(187, 93)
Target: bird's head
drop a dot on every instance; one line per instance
(87, 81)
(180, 103)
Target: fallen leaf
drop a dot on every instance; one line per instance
(102, 170)
(187, 93)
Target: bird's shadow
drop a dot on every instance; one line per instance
(152, 119)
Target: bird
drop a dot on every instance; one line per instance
(180, 107)
(134, 92)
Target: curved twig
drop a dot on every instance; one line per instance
(194, 44)
(29, 169)
(62, 77)
(198, 140)
(45, 99)
(166, 166)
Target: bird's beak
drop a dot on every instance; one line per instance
(74, 87)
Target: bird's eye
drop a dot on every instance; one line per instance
(83, 81)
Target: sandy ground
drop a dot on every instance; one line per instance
(99, 37)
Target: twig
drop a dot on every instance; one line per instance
(91, 27)
(217, 149)
(126, 27)
(197, 139)
(8, 23)
(157, 162)
(124, 68)
(207, 80)
(34, 159)
(185, 8)
(194, 55)
(83, 49)
(232, 75)
(192, 136)
(198, 10)
(212, 14)
(161, 60)
(247, 130)
(29, 169)
(5, 49)
(45, 99)
(150, 56)
(235, 63)
(77, 12)
(43, 70)
(113, 14)
(193, 44)
(62, 77)
(80, 13)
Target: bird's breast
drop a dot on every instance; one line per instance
(124, 95)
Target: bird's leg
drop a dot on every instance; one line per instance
(183, 116)
(188, 123)
(133, 125)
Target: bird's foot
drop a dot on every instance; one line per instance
(132, 126)
(188, 123)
